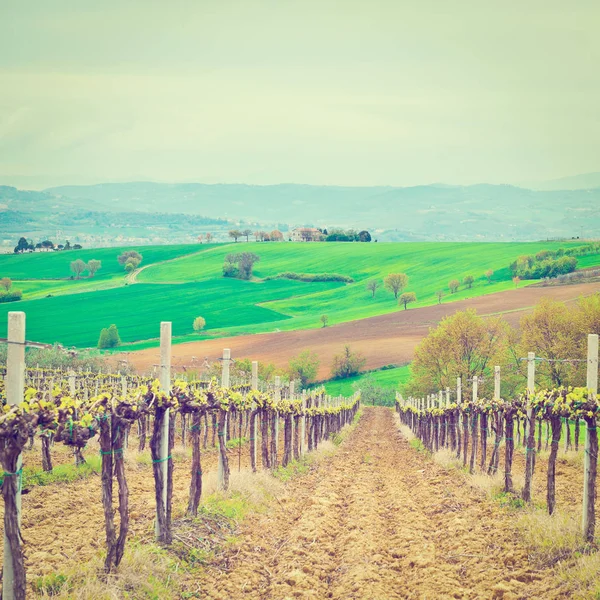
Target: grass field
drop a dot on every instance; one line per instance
(387, 378)
(182, 282)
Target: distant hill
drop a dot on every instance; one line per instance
(430, 212)
(586, 181)
(145, 212)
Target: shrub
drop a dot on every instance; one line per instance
(304, 367)
(199, 324)
(12, 296)
(109, 338)
(347, 364)
(313, 277)
(130, 256)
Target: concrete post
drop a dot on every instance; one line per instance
(589, 516)
(225, 379)
(165, 384)
(15, 384)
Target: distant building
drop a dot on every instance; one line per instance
(306, 234)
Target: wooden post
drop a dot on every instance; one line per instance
(15, 384)
(591, 445)
(72, 384)
(475, 388)
(458, 391)
(165, 384)
(447, 397)
(225, 378)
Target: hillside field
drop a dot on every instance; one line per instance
(386, 378)
(178, 283)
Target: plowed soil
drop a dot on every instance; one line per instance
(379, 521)
(385, 339)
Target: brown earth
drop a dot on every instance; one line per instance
(377, 520)
(380, 521)
(385, 339)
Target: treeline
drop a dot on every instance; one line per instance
(25, 245)
(551, 263)
(313, 277)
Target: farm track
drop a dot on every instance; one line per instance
(379, 521)
(385, 339)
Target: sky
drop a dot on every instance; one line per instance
(321, 92)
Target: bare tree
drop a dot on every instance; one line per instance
(372, 286)
(489, 274)
(324, 320)
(209, 237)
(235, 234)
(516, 280)
(440, 295)
(6, 283)
(78, 267)
(395, 283)
(468, 281)
(93, 266)
(247, 233)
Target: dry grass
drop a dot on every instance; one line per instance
(583, 576)
(405, 430)
(550, 538)
(146, 569)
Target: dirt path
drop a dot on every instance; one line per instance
(385, 339)
(379, 521)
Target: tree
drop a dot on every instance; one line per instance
(209, 237)
(276, 235)
(109, 338)
(462, 345)
(93, 266)
(129, 267)
(364, 236)
(304, 367)
(453, 285)
(516, 280)
(247, 233)
(550, 331)
(468, 281)
(246, 263)
(199, 324)
(489, 274)
(77, 247)
(21, 246)
(48, 245)
(324, 320)
(347, 364)
(6, 283)
(372, 286)
(199, 238)
(78, 267)
(235, 234)
(130, 256)
(440, 295)
(395, 283)
(407, 298)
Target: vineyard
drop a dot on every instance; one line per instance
(469, 425)
(75, 408)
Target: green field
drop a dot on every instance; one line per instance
(182, 282)
(387, 378)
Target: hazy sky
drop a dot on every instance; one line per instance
(259, 91)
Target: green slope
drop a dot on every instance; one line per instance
(190, 284)
(56, 265)
(137, 310)
(387, 378)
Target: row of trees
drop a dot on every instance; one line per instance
(78, 267)
(259, 236)
(466, 344)
(24, 245)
